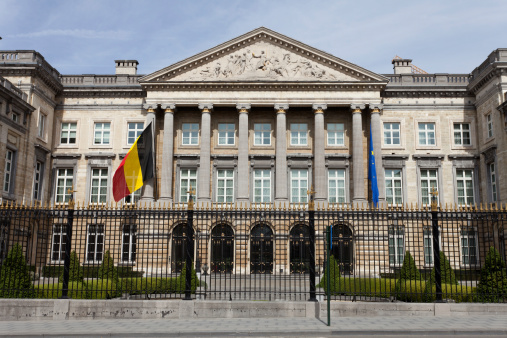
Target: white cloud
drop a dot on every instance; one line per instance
(77, 33)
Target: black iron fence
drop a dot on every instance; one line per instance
(259, 252)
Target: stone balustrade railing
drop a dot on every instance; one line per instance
(8, 85)
(99, 80)
(28, 57)
(427, 79)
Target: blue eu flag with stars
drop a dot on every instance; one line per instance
(372, 173)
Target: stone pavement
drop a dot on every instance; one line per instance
(259, 327)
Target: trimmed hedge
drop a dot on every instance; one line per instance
(492, 286)
(334, 276)
(103, 289)
(77, 290)
(75, 271)
(408, 272)
(418, 291)
(55, 271)
(107, 269)
(369, 287)
(15, 280)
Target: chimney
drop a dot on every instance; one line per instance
(402, 66)
(128, 67)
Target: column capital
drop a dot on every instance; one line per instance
(318, 108)
(357, 107)
(376, 108)
(281, 107)
(205, 107)
(243, 107)
(168, 107)
(150, 107)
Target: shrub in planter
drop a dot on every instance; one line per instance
(447, 277)
(409, 272)
(15, 280)
(107, 269)
(492, 286)
(75, 270)
(334, 277)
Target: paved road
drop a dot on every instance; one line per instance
(260, 327)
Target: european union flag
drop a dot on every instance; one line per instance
(372, 173)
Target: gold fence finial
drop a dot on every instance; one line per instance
(434, 202)
(311, 195)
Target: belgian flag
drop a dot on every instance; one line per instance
(136, 167)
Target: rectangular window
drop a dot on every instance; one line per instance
(95, 240)
(188, 179)
(391, 133)
(37, 181)
(225, 185)
(262, 186)
(98, 191)
(298, 134)
(298, 185)
(336, 185)
(41, 131)
(64, 182)
(462, 134)
(68, 135)
(468, 246)
(133, 198)
(335, 134)
(190, 134)
(58, 242)
(15, 117)
(262, 134)
(394, 192)
(8, 170)
(429, 180)
(428, 247)
(226, 134)
(489, 122)
(128, 245)
(134, 130)
(465, 185)
(102, 133)
(492, 182)
(426, 134)
(396, 245)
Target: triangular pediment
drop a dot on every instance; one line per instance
(263, 56)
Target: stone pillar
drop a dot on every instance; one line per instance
(319, 159)
(377, 137)
(357, 153)
(166, 184)
(148, 192)
(281, 153)
(203, 183)
(243, 169)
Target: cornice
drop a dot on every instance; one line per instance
(476, 84)
(95, 107)
(104, 92)
(13, 124)
(35, 71)
(417, 92)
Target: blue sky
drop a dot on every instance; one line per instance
(85, 37)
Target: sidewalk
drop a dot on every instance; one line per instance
(220, 327)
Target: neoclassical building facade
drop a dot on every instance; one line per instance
(258, 119)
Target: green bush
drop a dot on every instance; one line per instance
(55, 271)
(418, 291)
(77, 290)
(15, 281)
(181, 280)
(75, 270)
(334, 276)
(107, 269)
(492, 286)
(408, 272)
(103, 289)
(446, 273)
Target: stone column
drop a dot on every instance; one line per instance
(243, 169)
(357, 153)
(203, 183)
(319, 160)
(377, 137)
(166, 185)
(281, 153)
(148, 192)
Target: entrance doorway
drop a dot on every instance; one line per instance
(222, 249)
(261, 249)
(299, 247)
(179, 247)
(343, 248)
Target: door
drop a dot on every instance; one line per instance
(261, 249)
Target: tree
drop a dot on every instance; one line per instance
(447, 277)
(14, 275)
(107, 269)
(334, 277)
(75, 270)
(408, 273)
(492, 286)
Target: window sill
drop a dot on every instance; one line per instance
(67, 146)
(336, 148)
(264, 147)
(189, 146)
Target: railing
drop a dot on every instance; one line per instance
(7, 84)
(428, 79)
(261, 252)
(99, 80)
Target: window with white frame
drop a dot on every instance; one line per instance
(396, 245)
(492, 181)
(335, 134)
(41, 130)
(129, 242)
(102, 133)
(190, 134)
(391, 133)
(298, 134)
(429, 180)
(133, 197)
(465, 186)
(226, 134)
(394, 186)
(462, 135)
(95, 243)
(37, 180)
(188, 180)
(225, 185)
(426, 134)
(336, 185)
(8, 171)
(59, 239)
(262, 186)
(298, 185)
(469, 246)
(262, 134)
(68, 133)
(64, 182)
(135, 129)
(98, 191)
(489, 123)
(428, 245)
